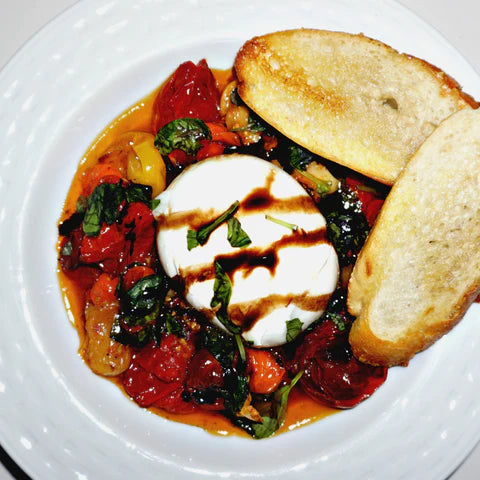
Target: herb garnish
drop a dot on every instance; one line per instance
(347, 226)
(200, 237)
(294, 328)
(273, 413)
(283, 223)
(236, 235)
(182, 134)
(222, 292)
(104, 204)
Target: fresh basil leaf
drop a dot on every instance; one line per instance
(220, 345)
(114, 194)
(278, 411)
(192, 241)
(222, 292)
(203, 233)
(137, 192)
(241, 348)
(92, 221)
(294, 328)
(201, 236)
(290, 226)
(143, 297)
(102, 205)
(173, 326)
(347, 226)
(155, 203)
(236, 235)
(182, 134)
(299, 157)
(236, 392)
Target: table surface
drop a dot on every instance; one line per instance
(456, 21)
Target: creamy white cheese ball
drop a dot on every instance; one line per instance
(288, 271)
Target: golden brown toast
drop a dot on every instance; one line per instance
(419, 270)
(346, 97)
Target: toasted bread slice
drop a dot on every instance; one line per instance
(346, 97)
(420, 268)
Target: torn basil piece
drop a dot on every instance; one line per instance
(236, 236)
(294, 328)
(182, 134)
(222, 292)
(200, 237)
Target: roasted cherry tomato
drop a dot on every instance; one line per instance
(103, 290)
(169, 360)
(139, 226)
(205, 373)
(105, 249)
(371, 203)
(265, 372)
(191, 92)
(332, 375)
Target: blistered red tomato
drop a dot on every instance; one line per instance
(331, 374)
(191, 92)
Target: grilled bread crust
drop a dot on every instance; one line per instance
(419, 270)
(346, 97)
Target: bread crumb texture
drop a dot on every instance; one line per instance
(423, 254)
(346, 97)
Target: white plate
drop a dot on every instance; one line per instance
(58, 420)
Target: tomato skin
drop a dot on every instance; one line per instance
(139, 228)
(98, 174)
(156, 375)
(205, 372)
(108, 245)
(169, 360)
(265, 372)
(371, 204)
(134, 274)
(332, 375)
(191, 92)
(142, 385)
(209, 149)
(103, 290)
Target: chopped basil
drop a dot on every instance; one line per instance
(222, 292)
(220, 345)
(294, 328)
(273, 413)
(182, 134)
(347, 226)
(155, 203)
(235, 390)
(192, 241)
(236, 235)
(299, 157)
(172, 325)
(136, 192)
(104, 202)
(241, 348)
(200, 237)
(322, 187)
(142, 298)
(290, 226)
